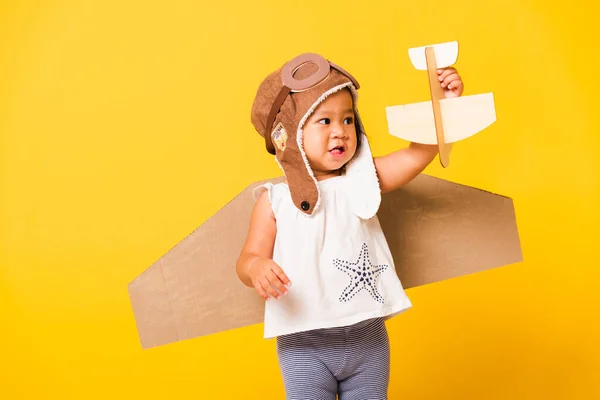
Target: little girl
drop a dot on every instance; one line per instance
(315, 249)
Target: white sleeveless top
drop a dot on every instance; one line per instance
(340, 265)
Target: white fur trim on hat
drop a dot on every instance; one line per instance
(363, 185)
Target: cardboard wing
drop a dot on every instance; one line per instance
(436, 230)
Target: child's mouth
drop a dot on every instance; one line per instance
(337, 151)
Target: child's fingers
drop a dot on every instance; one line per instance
(268, 288)
(443, 74)
(261, 291)
(450, 78)
(276, 283)
(281, 275)
(455, 84)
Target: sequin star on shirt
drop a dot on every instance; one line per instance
(363, 275)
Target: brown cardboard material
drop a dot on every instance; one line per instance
(436, 230)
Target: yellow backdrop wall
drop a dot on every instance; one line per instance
(125, 125)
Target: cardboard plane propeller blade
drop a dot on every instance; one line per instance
(436, 230)
(440, 121)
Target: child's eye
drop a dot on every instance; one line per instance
(349, 120)
(325, 121)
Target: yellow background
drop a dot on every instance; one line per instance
(125, 125)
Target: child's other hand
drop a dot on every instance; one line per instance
(268, 278)
(451, 82)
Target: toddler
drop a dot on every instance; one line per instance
(315, 249)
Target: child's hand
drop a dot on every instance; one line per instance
(451, 82)
(268, 278)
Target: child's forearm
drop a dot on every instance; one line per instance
(400, 167)
(423, 154)
(259, 241)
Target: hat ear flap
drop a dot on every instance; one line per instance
(363, 187)
(292, 160)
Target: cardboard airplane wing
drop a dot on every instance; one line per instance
(436, 230)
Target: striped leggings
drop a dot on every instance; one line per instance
(352, 362)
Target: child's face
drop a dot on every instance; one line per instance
(329, 137)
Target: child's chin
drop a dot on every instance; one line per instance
(334, 165)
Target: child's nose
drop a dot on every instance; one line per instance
(338, 130)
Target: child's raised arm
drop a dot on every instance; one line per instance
(255, 266)
(402, 166)
(398, 168)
